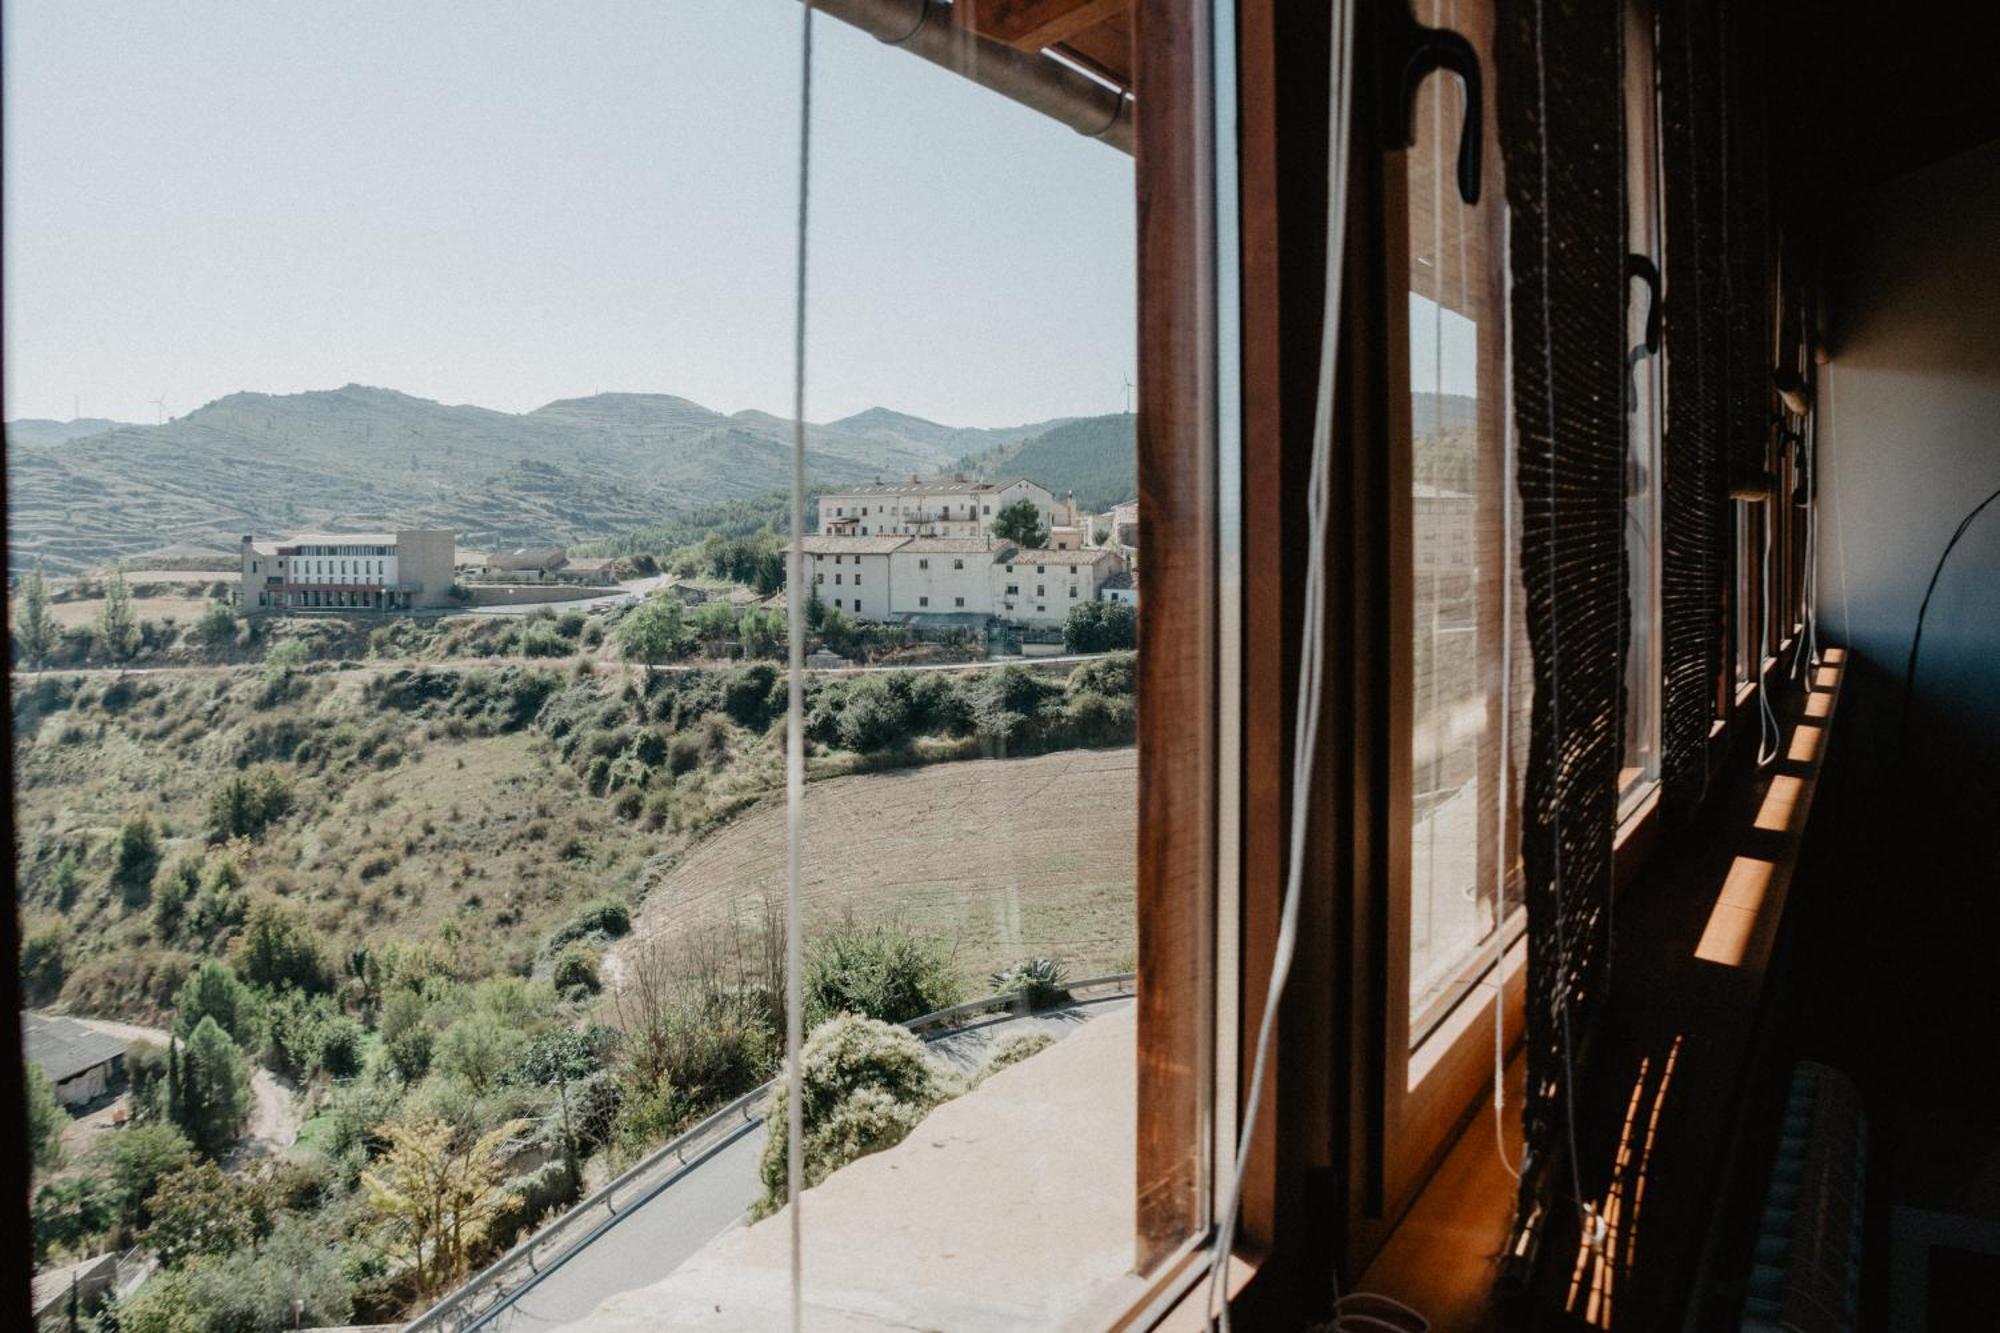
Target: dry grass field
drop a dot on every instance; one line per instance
(1005, 858)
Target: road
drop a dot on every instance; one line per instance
(653, 1239)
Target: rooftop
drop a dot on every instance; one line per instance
(933, 486)
(341, 539)
(64, 1048)
(825, 545)
(958, 546)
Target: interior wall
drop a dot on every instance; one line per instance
(1909, 442)
(1901, 918)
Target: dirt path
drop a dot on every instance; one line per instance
(275, 1113)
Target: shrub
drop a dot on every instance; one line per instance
(576, 968)
(172, 892)
(216, 627)
(543, 640)
(606, 918)
(42, 960)
(1037, 981)
(213, 991)
(134, 1161)
(1011, 1050)
(246, 804)
(883, 972)
(865, 1085)
(877, 715)
(1096, 627)
(476, 1049)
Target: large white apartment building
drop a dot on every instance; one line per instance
(950, 507)
(377, 571)
(944, 580)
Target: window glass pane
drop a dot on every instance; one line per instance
(1646, 382)
(1468, 655)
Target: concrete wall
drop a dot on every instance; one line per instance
(427, 556)
(525, 594)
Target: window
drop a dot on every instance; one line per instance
(857, 582)
(1013, 590)
(1072, 590)
(1041, 590)
(838, 577)
(958, 601)
(1747, 619)
(923, 564)
(1639, 766)
(1462, 752)
(958, 564)
(923, 601)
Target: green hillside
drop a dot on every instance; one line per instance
(1096, 457)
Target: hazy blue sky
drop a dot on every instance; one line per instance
(507, 203)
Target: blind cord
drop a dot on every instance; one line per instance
(1311, 655)
(795, 750)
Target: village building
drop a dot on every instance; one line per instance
(375, 571)
(945, 507)
(953, 580)
(81, 1062)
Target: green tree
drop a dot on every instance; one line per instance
(172, 892)
(137, 858)
(1097, 627)
(214, 1098)
(770, 572)
(35, 630)
(762, 632)
(714, 624)
(68, 1213)
(279, 949)
(44, 956)
(134, 1161)
(118, 624)
(836, 631)
(1021, 523)
(201, 1209)
(654, 631)
(215, 992)
(46, 1120)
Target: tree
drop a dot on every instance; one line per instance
(118, 624)
(214, 991)
(69, 1212)
(714, 625)
(652, 632)
(46, 1120)
(836, 630)
(134, 1161)
(201, 1209)
(137, 858)
(1098, 627)
(1021, 523)
(214, 1098)
(35, 630)
(440, 1198)
(279, 949)
(769, 575)
(761, 631)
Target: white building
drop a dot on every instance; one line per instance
(953, 507)
(82, 1063)
(894, 578)
(376, 571)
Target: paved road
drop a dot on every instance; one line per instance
(655, 1238)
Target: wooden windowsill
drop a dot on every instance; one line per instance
(1443, 1257)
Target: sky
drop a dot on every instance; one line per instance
(505, 203)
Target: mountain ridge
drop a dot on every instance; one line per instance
(569, 471)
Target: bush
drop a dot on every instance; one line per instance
(216, 627)
(754, 694)
(1097, 627)
(865, 1085)
(544, 640)
(1011, 1050)
(576, 968)
(1037, 981)
(601, 918)
(882, 972)
(246, 804)
(42, 962)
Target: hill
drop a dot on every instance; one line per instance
(1096, 457)
(569, 471)
(42, 433)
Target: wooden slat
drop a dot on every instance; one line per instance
(1030, 25)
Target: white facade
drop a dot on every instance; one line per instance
(959, 507)
(851, 574)
(895, 578)
(355, 570)
(1040, 587)
(945, 575)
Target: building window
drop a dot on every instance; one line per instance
(958, 601)
(1041, 569)
(837, 577)
(1041, 590)
(857, 580)
(1072, 590)
(923, 564)
(819, 578)
(923, 601)
(958, 564)
(1013, 590)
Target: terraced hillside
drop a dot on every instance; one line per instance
(368, 458)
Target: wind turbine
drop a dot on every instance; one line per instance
(160, 407)
(1128, 395)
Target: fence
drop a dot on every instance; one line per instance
(500, 1283)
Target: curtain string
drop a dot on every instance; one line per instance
(795, 767)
